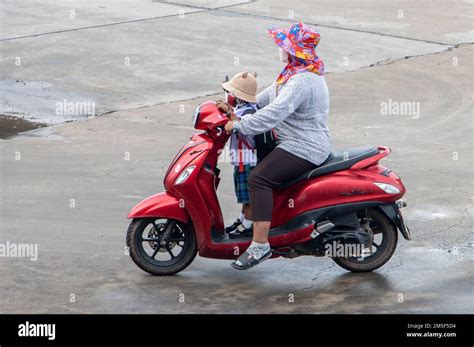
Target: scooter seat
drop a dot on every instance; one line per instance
(338, 160)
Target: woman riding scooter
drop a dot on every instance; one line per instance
(297, 107)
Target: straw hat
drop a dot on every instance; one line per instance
(243, 85)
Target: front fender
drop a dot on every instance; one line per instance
(160, 205)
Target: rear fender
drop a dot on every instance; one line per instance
(393, 213)
(160, 205)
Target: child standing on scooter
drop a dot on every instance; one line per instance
(241, 92)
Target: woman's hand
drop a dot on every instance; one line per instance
(229, 127)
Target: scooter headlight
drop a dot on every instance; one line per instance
(185, 174)
(387, 188)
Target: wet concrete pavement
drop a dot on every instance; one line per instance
(82, 266)
(158, 52)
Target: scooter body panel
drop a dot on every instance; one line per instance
(343, 187)
(198, 192)
(160, 205)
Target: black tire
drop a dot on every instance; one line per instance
(148, 262)
(383, 253)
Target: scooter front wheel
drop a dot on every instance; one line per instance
(157, 253)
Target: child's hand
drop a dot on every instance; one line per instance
(224, 107)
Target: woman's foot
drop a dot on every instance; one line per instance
(254, 255)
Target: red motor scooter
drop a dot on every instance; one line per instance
(347, 208)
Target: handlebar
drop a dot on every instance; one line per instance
(221, 128)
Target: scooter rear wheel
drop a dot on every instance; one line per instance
(144, 238)
(385, 243)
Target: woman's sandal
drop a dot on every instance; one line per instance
(248, 260)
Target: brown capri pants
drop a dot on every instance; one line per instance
(277, 167)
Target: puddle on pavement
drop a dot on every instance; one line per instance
(11, 126)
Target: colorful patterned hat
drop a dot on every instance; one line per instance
(300, 40)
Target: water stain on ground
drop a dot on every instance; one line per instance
(11, 126)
